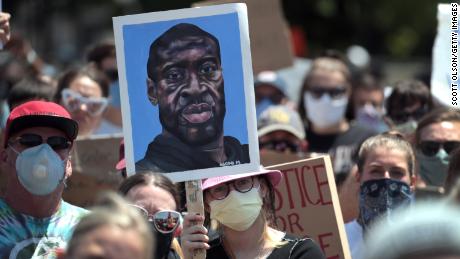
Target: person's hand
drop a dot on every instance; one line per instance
(4, 27)
(194, 235)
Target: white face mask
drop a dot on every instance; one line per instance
(325, 111)
(40, 170)
(237, 211)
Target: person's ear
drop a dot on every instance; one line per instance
(68, 168)
(4, 155)
(152, 92)
(358, 175)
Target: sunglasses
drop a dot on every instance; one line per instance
(401, 117)
(279, 145)
(318, 92)
(164, 221)
(431, 148)
(31, 140)
(73, 101)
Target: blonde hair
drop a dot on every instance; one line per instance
(112, 210)
(388, 140)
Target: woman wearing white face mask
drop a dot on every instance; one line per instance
(241, 211)
(323, 103)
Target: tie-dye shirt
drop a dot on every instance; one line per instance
(24, 236)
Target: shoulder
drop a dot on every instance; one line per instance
(173, 255)
(4, 206)
(360, 131)
(354, 233)
(69, 210)
(236, 151)
(301, 248)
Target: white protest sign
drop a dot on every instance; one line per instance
(445, 72)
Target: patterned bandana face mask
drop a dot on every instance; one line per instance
(378, 198)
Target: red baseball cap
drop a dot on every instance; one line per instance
(40, 114)
(274, 176)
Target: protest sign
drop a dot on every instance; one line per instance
(269, 33)
(93, 169)
(307, 204)
(178, 118)
(444, 79)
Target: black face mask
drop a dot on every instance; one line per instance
(112, 74)
(162, 243)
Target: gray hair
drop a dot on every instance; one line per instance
(426, 230)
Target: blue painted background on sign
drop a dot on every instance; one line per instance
(144, 116)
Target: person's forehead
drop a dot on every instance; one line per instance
(86, 86)
(386, 156)
(235, 180)
(152, 197)
(368, 94)
(108, 240)
(183, 44)
(324, 78)
(446, 130)
(42, 131)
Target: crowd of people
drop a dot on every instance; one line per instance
(388, 151)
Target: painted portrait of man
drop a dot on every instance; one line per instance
(186, 83)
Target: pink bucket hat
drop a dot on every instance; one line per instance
(274, 176)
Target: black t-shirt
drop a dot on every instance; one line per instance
(342, 147)
(295, 248)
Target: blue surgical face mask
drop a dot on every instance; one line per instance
(263, 105)
(40, 169)
(368, 116)
(379, 198)
(433, 169)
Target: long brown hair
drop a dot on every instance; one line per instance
(158, 180)
(150, 178)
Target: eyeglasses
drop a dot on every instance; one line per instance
(31, 140)
(317, 92)
(242, 185)
(165, 221)
(73, 101)
(403, 116)
(279, 146)
(431, 148)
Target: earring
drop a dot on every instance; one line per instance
(153, 100)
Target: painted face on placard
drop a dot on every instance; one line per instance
(189, 87)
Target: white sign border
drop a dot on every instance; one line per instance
(241, 10)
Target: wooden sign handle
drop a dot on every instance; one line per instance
(194, 193)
